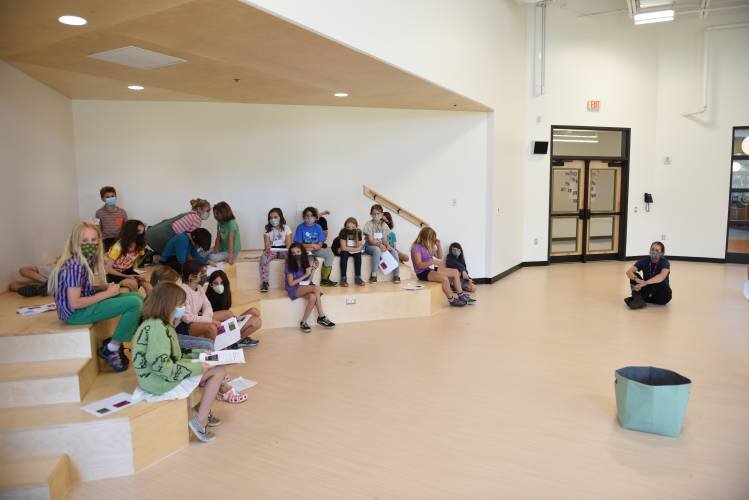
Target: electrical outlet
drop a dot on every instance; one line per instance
(535, 241)
(667, 160)
(663, 237)
(453, 202)
(350, 301)
(636, 210)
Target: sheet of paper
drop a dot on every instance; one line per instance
(218, 266)
(413, 286)
(33, 310)
(242, 384)
(304, 282)
(228, 334)
(242, 320)
(221, 357)
(110, 405)
(388, 263)
(278, 249)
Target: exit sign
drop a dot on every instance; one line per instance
(594, 105)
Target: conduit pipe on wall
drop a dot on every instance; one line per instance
(539, 50)
(706, 64)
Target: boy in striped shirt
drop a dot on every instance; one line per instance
(110, 217)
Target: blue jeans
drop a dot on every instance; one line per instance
(190, 342)
(375, 252)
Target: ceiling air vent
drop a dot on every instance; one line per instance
(135, 57)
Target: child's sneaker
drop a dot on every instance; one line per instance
(305, 327)
(324, 321)
(373, 278)
(396, 279)
(113, 358)
(33, 290)
(456, 302)
(328, 282)
(247, 342)
(201, 432)
(467, 299)
(213, 421)
(344, 281)
(264, 287)
(359, 281)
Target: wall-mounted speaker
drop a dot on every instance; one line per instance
(540, 147)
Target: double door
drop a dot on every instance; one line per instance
(586, 209)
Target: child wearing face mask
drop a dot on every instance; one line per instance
(376, 232)
(311, 236)
(158, 235)
(456, 260)
(298, 283)
(277, 240)
(649, 279)
(392, 237)
(351, 245)
(228, 243)
(110, 217)
(160, 367)
(185, 246)
(82, 295)
(219, 295)
(123, 256)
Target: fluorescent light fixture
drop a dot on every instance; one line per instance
(657, 16)
(594, 141)
(341, 94)
(136, 57)
(135, 87)
(72, 20)
(573, 136)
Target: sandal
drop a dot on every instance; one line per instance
(232, 396)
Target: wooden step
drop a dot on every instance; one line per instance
(43, 478)
(98, 447)
(248, 273)
(45, 382)
(38, 338)
(371, 302)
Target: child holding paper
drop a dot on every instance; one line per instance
(159, 364)
(311, 235)
(351, 245)
(219, 295)
(376, 232)
(277, 240)
(298, 284)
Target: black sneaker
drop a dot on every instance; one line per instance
(359, 281)
(264, 287)
(636, 302)
(305, 327)
(324, 321)
(373, 278)
(247, 342)
(33, 290)
(396, 279)
(344, 282)
(113, 358)
(328, 282)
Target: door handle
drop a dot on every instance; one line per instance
(584, 213)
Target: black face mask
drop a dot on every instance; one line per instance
(351, 231)
(140, 240)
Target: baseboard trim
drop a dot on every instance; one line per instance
(504, 274)
(710, 260)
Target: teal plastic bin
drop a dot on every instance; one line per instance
(650, 399)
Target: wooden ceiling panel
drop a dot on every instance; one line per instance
(275, 61)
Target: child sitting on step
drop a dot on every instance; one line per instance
(219, 295)
(426, 254)
(159, 365)
(312, 237)
(124, 254)
(277, 240)
(82, 295)
(351, 244)
(34, 280)
(298, 273)
(376, 232)
(228, 244)
(392, 238)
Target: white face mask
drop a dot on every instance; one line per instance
(219, 289)
(205, 215)
(179, 312)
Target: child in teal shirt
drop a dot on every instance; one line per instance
(228, 243)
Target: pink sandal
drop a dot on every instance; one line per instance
(232, 396)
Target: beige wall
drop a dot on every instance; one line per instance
(38, 198)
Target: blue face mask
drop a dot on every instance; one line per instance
(309, 221)
(456, 252)
(655, 255)
(110, 201)
(179, 312)
(274, 222)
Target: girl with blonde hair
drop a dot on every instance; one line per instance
(426, 254)
(82, 295)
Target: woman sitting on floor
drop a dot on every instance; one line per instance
(653, 284)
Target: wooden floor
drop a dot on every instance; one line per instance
(512, 398)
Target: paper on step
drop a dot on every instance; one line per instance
(110, 405)
(218, 266)
(413, 286)
(32, 310)
(241, 384)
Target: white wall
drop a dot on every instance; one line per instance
(646, 77)
(475, 49)
(38, 197)
(159, 155)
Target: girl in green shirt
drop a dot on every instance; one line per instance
(228, 243)
(158, 361)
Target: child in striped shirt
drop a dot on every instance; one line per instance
(78, 283)
(110, 217)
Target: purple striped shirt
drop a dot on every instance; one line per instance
(73, 274)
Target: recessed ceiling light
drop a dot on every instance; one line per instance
(72, 20)
(135, 87)
(341, 94)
